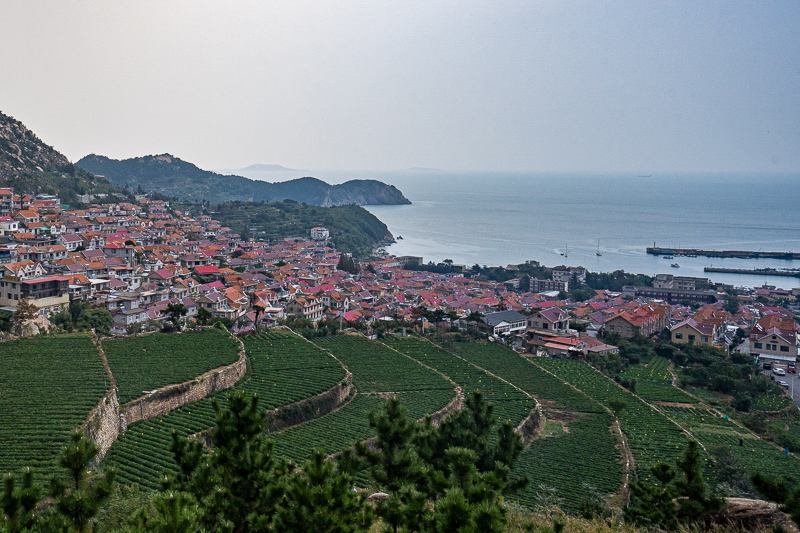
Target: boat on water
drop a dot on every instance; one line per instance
(598, 248)
(675, 265)
(399, 237)
(668, 257)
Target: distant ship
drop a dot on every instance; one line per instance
(646, 176)
(399, 237)
(598, 248)
(675, 265)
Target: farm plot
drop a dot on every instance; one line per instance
(565, 462)
(141, 364)
(653, 382)
(772, 401)
(512, 367)
(48, 386)
(510, 404)
(284, 368)
(756, 455)
(652, 437)
(599, 465)
(377, 368)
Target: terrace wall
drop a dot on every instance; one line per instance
(103, 424)
(527, 428)
(299, 412)
(171, 397)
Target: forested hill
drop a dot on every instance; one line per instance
(170, 176)
(353, 229)
(32, 167)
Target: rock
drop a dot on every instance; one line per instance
(751, 515)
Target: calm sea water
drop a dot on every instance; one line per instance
(506, 218)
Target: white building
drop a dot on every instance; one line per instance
(320, 234)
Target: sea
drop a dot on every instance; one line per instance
(502, 218)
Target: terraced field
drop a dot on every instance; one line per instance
(284, 368)
(651, 436)
(141, 364)
(653, 382)
(377, 373)
(562, 456)
(510, 404)
(756, 455)
(48, 386)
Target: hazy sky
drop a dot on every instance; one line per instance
(460, 85)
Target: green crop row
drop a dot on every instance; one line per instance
(651, 436)
(510, 404)
(377, 368)
(48, 386)
(284, 368)
(515, 369)
(565, 462)
(141, 364)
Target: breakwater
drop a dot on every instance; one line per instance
(739, 254)
(755, 271)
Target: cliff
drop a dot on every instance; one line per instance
(171, 176)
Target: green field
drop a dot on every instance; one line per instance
(48, 386)
(652, 437)
(148, 362)
(284, 368)
(653, 382)
(377, 373)
(559, 458)
(511, 405)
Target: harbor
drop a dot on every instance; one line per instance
(789, 272)
(739, 254)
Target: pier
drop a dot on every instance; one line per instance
(740, 254)
(756, 271)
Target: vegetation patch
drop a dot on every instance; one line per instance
(141, 364)
(48, 386)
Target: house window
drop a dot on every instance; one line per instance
(758, 345)
(679, 335)
(544, 325)
(784, 348)
(704, 338)
(691, 337)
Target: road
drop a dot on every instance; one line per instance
(792, 379)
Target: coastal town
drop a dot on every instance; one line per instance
(141, 260)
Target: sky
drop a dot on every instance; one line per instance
(599, 85)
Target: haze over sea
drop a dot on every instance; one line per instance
(495, 218)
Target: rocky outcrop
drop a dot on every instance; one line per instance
(22, 151)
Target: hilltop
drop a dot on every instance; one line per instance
(168, 175)
(32, 167)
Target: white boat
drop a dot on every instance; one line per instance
(598, 248)
(675, 265)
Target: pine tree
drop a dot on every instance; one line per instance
(239, 485)
(320, 499)
(18, 503)
(695, 496)
(78, 500)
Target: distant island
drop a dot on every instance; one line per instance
(424, 169)
(258, 167)
(170, 176)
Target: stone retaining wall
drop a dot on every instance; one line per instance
(168, 398)
(527, 428)
(299, 412)
(103, 424)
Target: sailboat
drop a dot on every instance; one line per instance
(598, 248)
